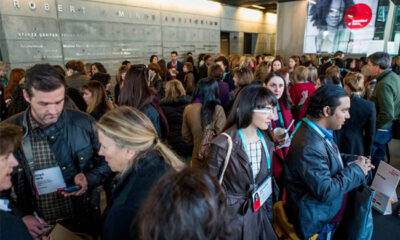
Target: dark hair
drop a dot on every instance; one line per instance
(11, 136)
(207, 56)
(43, 77)
(215, 72)
(285, 96)
(152, 57)
(174, 52)
(77, 66)
(327, 95)
(380, 59)
(201, 57)
(188, 204)
(189, 53)
(126, 62)
(190, 59)
(325, 80)
(224, 61)
(59, 69)
(250, 98)
(339, 62)
(163, 68)
(155, 67)
(319, 10)
(189, 66)
(104, 78)
(100, 67)
(207, 92)
(338, 54)
(136, 91)
(348, 62)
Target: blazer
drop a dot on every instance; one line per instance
(129, 194)
(357, 134)
(316, 182)
(238, 187)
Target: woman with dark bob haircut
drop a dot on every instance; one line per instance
(249, 170)
(185, 205)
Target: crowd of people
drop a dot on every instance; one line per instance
(185, 150)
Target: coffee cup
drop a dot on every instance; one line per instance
(280, 133)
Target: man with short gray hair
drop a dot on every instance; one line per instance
(386, 97)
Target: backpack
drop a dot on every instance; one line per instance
(205, 144)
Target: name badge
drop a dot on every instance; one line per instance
(4, 205)
(262, 193)
(48, 180)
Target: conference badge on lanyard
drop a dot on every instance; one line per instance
(48, 180)
(262, 193)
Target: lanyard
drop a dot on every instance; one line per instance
(320, 133)
(280, 114)
(264, 144)
(223, 77)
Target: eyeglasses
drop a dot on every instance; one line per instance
(266, 110)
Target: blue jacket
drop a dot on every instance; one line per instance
(316, 181)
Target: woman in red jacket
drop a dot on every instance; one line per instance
(282, 118)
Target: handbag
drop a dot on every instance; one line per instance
(357, 222)
(205, 144)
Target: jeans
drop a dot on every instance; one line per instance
(382, 136)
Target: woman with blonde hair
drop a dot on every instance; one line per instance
(131, 146)
(95, 97)
(357, 134)
(173, 105)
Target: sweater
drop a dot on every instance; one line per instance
(386, 97)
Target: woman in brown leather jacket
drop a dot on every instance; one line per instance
(247, 181)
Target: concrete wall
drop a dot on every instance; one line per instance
(290, 28)
(110, 31)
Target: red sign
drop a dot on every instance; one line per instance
(357, 16)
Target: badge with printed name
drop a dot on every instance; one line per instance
(48, 180)
(262, 193)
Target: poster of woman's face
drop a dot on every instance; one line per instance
(329, 25)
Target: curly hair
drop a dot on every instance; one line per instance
(319, 10)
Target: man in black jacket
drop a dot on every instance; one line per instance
(59, 150)
(317, 176)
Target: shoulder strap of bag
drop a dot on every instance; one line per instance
(228, 155)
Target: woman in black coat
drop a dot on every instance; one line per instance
(173, 104)
(357, 134)
(130, 145)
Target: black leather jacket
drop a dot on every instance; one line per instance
(75, 146)
(316, 181)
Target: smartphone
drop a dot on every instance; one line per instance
(72, 189)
